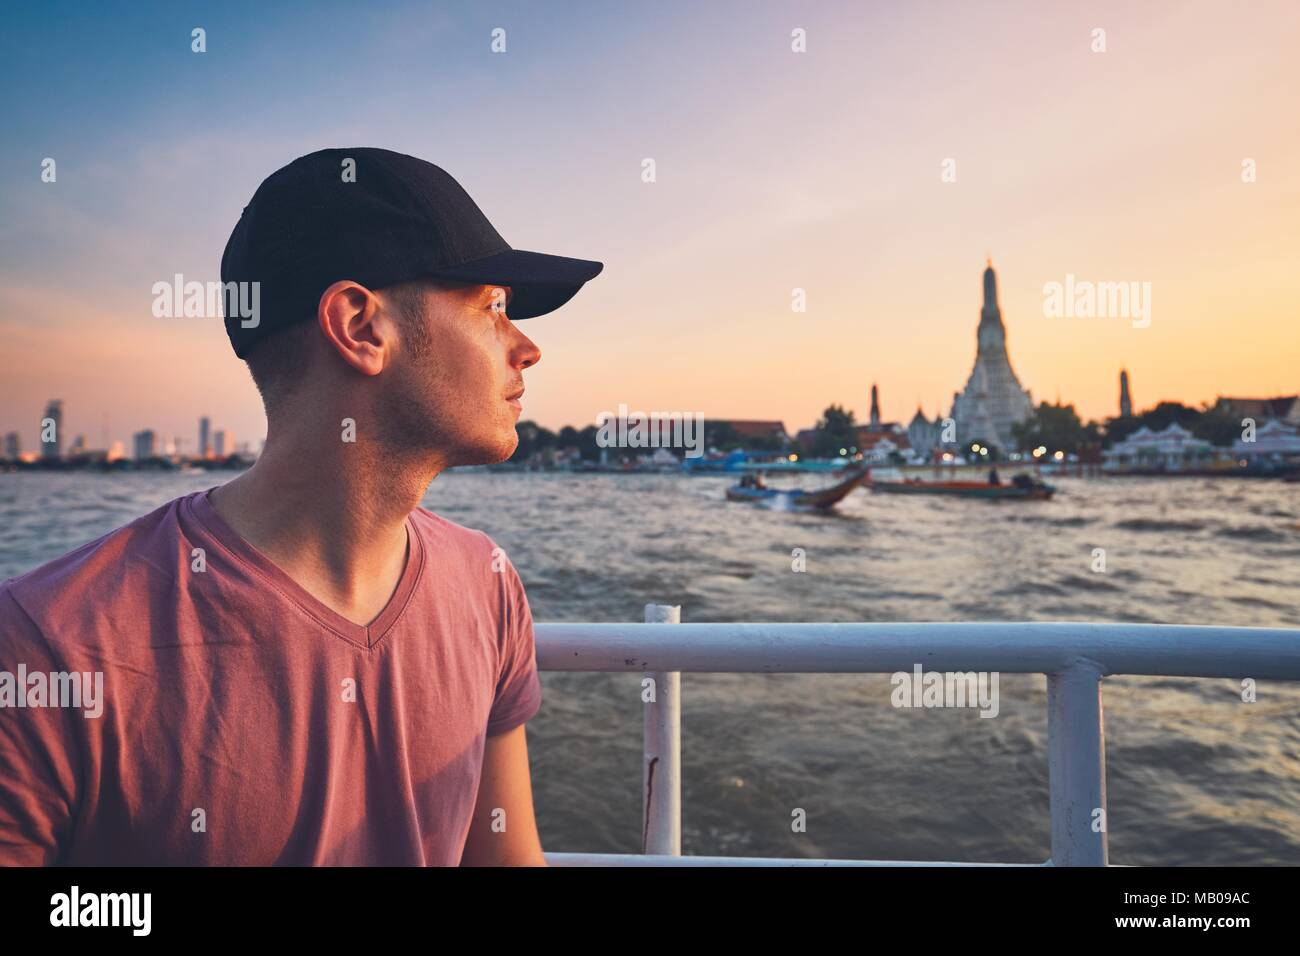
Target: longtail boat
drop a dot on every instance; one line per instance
(821, 498)
(1027, 489)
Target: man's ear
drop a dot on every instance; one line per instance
(357, 327)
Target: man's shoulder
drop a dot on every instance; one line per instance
(434, 527)
(124, 566)
(467, 546)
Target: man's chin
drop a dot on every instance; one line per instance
(490, 453)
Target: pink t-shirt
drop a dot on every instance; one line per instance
(243, 722)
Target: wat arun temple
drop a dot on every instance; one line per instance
(984, 412)
(993, 399)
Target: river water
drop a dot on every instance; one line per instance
(1194, 774)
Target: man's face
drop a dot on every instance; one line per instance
(458, 373)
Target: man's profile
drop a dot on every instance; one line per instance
(303, 666)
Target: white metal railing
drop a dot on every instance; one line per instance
(1074, 657)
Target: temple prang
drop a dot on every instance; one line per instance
(993, 400)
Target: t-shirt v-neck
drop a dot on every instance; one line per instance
(308, 740)
(363, 635)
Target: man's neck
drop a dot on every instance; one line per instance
(333, 520)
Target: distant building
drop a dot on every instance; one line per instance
(875, 444)
(53, 447)
(205, 440)
(865, 438)
(1173, 449)
(878, 452)
(223, 443)
(661, 460)
(13, 446)
(78, 446)
(923, 434)
(763, 429)
(993, 400)
(880, 437)
(1275, 443)
(146, 444)
(1125, 400)
(1285, 409)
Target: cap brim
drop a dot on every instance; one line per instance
(539, 282)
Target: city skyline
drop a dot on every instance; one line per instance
(220, 443)
(143, 443)
(775, 173)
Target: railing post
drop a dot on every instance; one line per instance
(661, 774)
(1076, 762)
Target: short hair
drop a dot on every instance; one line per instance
(276, 362)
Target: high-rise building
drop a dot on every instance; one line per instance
(13, 446)
(224, 443)
(146, 444)
(205, 442)
(993, 400)
(52, 429)
(1125, 401)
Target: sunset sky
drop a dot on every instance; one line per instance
(776, 170)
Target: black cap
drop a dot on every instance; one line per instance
(308, 226)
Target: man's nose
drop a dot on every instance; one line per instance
(526, 351)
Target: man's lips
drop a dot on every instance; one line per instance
(514, 398)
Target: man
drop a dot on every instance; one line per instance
(302, 666)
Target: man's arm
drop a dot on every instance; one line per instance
(503, 831)
(39, 772)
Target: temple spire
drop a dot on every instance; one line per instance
(993, 400)
(991, 333)
(875, 406)
(990, 288)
